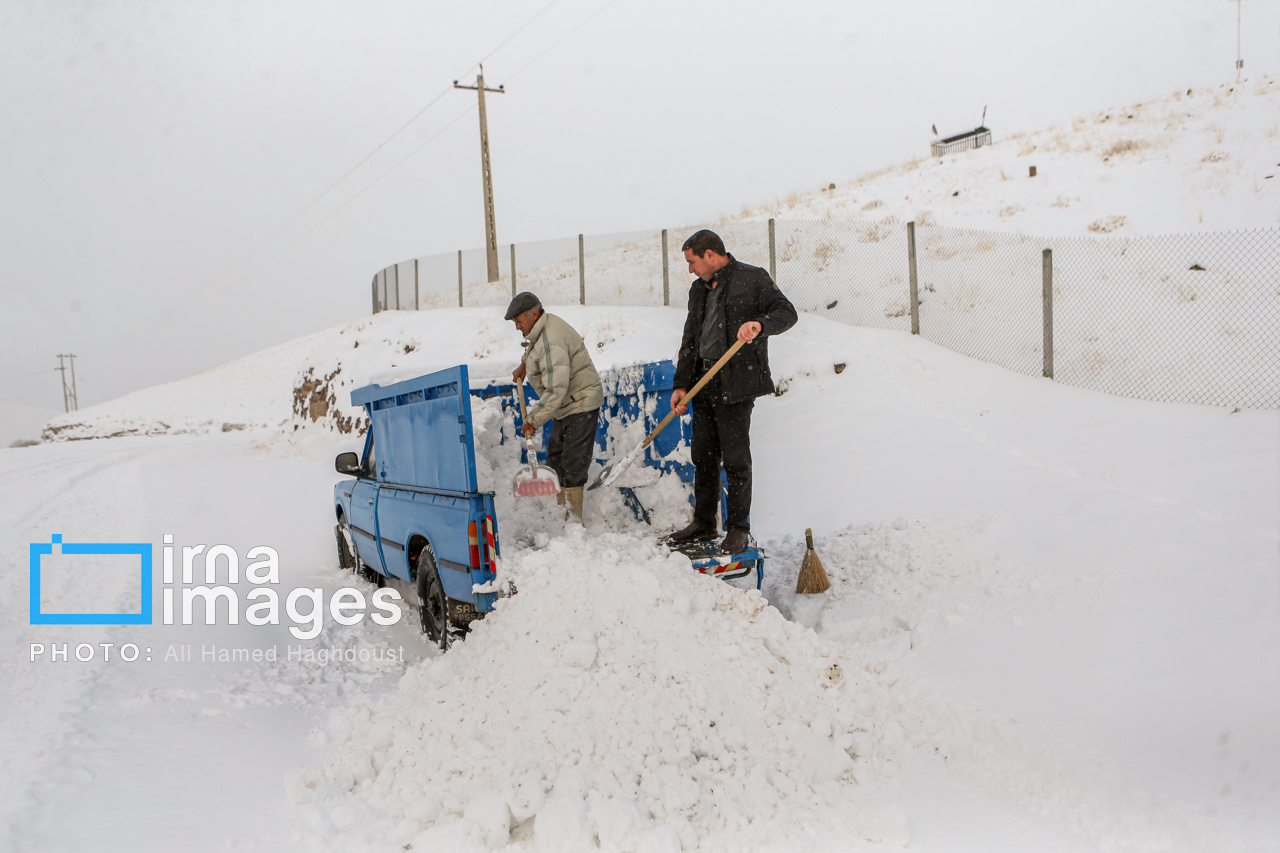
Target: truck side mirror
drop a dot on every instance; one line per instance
(347, 463)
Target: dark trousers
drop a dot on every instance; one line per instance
(569, 450)
(721, 434)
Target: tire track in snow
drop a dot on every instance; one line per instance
(32, 736)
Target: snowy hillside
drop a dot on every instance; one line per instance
(309, 381)
(1204, 160)
(1198, 160)
(1052, 625)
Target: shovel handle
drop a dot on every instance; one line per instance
(520, 391)
(715, 368)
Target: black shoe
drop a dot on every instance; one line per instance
(695, 532)
(736, 542)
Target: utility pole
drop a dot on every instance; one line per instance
(69, 402)
(491, 230)
(1239, 56)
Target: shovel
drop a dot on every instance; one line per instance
(614, 470)
(535, 480)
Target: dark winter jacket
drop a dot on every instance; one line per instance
(750, 295)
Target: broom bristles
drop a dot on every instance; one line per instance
(813, 577)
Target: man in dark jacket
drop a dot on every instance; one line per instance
(728, 301)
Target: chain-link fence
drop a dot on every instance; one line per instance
(1181, 318)
(980, 294)
(1191, 318)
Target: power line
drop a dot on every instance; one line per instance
(306, 208)
(338, 209)
(559, 41)
(187, 303)
(513, 35)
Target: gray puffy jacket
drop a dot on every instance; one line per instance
(560, 369)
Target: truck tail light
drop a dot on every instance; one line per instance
(473, 539)
(492, 550)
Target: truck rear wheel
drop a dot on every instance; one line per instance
(433, 606)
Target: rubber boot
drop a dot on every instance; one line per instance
(573, 497)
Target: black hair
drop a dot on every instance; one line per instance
(703, 241)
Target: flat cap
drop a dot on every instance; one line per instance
(521, 303)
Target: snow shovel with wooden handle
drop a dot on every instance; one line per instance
(612, 471)
(535, 480)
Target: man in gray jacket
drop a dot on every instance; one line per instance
(559, 368)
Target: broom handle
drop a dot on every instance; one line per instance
(808, 538)
(715, 368)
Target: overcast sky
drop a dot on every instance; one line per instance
(155, 153)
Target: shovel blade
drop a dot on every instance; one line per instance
(614, 470)
(540, 482)
(605, 473)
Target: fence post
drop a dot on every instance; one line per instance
(911, 275)
(386, 296)
(582, 273)
(773, 255)
(374, 284)
(666, 272)
(459, 278)
(397, 287)
(1046, 278)
(417, 302)
(513, 270)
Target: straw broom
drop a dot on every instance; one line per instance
(813, 577)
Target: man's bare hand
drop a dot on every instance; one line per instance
(518, 374)
(749, 331)
(528, 430)
(676, 396)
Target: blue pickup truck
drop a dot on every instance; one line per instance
(414, 518)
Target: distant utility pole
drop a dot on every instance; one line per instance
(491, 230)
(69, 402)
(1239, 59)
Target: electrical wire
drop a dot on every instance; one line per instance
(198, 299)
(306, 208)
(30, 375)
(517, 32)
(404, 159)
(559, 41)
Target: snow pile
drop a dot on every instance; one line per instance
(498, 458)
(619, 697)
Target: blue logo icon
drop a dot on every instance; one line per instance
(139, 549)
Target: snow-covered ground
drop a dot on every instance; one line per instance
(1054, 624)
(1054, 621)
